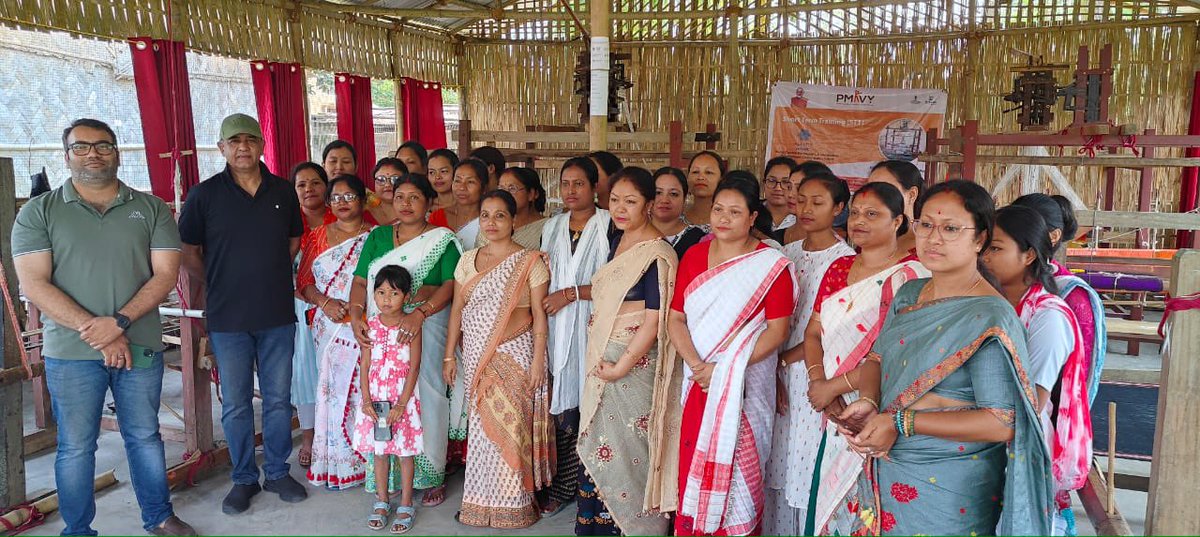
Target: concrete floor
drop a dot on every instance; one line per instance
(344, 513)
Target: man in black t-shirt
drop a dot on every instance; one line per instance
(240, 231)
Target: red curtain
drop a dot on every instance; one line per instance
(423, 117)
(279, 93)
(165, 100)
(1189, 190)
(354, 122)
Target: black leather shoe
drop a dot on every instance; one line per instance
(238, 499)
(287, 488)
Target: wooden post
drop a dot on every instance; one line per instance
(710, 144)
(12, 421)
(734, 114)
(676, 144)
(43, 413)
(1171, 509)
(464, 138)
(197, 383)
(1110, 184)
(931, 147)
(970, 150)
(1145, 192)
(600, 26)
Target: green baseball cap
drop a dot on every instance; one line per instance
(240, 124)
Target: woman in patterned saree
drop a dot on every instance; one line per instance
(848, 313)
(429, 253)
(328, 255)
(956, 447)
(733, 301)
(503, 366)
(630, 366)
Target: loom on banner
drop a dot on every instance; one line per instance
(850, 129)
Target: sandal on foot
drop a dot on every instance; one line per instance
(438, 490)
(401, 525)
(377, 521)
(304, 458)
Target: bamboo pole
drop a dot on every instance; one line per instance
(49, 503)
(598, 102)
(1112, 457)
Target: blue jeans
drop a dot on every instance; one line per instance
(238, 355)
(77, 389)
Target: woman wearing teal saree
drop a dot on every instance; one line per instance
(954, 445)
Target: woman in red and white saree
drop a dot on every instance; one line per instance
(733, 301)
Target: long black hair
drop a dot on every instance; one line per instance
(745, 184)
(339, 144)
(639, 177)
(837, 187)
(492, 156)
(505, 196)
(352, 182)
(390, 161)
(812, 167)
(978, 202)
(418, 180)
(1057, 214)
(587, 165)
(906, 173)
(608, 162)
(891, 198)
(722, 164)
(1029, 231)
(416, 147)
(530, 180)
(310, 166)
(674, 172)
(446, 154)
(780, 161)
(479, 167)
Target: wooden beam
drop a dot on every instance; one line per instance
(1171, 506)
(12, 419)
(1136, 220)
(197, 381)
(1068, 160)
(40, 441)
(507, 14)
(577, 137)
(1094, 497)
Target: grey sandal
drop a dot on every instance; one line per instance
(402, 525)
(377, 521)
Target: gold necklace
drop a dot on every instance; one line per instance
(933, 288)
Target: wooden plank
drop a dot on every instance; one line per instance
(464, 137)
(40, 441)
(1094, 497)
(1145, 193)
(1136, 220)
(12, 420)
(542, 137)
(1171, 506)
(1141, 163)
(1120, 326)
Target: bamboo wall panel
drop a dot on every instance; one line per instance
(514, 85)
(253, 29)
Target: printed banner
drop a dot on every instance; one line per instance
(850, 129)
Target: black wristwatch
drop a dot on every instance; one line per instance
(122, 321)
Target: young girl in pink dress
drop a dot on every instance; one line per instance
(388, 372)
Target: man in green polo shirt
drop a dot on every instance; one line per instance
(97, 258)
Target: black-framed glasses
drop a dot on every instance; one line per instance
(83, 148)
(339, 198)
(776, 183)
(948, 232)
(512, 189)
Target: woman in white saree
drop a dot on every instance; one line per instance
(733, 300)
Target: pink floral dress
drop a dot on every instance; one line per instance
(389, 369)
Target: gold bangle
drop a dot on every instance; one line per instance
(846, 377)
(327, 299)
(447, 359)
(810, 368)
(872, 401)
(359, 305)
(541, 334)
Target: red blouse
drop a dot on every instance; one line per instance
(780, 299)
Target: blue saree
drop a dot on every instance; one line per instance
(965, 349)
